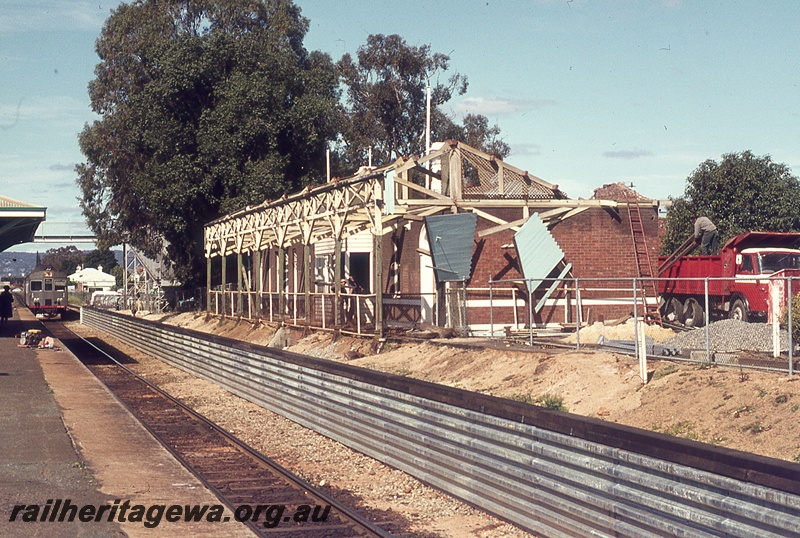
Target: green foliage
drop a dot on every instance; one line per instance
(741, 193)
(101, 258)
(64, 259)
(67, 259)
(205, 107)
(386, 104)
(684, 429)
(668, 369)
(386, 96)
(551, 401)
(522, 397)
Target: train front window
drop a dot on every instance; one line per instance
(61, 285)
(36, 285)
(48, 284)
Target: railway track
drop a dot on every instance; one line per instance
(268, 498)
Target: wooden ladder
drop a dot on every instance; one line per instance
(647, 286)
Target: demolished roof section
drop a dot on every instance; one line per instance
(379, 198)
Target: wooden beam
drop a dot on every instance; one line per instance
(418, 188)
(502, 227)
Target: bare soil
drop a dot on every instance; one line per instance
(747, 410)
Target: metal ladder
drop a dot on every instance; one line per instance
(673, 258)
(647, 286)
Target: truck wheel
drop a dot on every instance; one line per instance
(693, 313)
(673, 311)
(739, 311)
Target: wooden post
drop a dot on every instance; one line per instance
(239, 298)
(307, 266)
(377, 257)
(208, 284)
(224, 279)
(337, 280)
(456, 175)
(259, 284)
(642, 352)
(280, 285)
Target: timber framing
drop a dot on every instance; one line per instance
(403, 191)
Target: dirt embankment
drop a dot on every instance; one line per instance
(743, 409)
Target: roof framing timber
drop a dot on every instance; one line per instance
(341, 208)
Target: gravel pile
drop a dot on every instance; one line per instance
(729, 335)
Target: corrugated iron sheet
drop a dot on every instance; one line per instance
(537, 251)
(451, 239)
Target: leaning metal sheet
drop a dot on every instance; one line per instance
(537, 251)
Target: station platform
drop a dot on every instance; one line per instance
(66, 441)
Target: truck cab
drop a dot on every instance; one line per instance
(766, 261)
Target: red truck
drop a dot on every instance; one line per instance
(744, 261)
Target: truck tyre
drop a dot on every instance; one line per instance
(739, 311)
(673, 311)
(693, 315)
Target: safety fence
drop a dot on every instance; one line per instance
(741, 322)
(551, 473)
(356, 311)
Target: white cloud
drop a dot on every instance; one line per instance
(44, 15)
(499, 107)
(41, 108)
(628, 154)
(522, 149)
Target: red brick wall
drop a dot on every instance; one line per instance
(597, 242)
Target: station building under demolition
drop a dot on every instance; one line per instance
(457, 238)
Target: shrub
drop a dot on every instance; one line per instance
(551, 401)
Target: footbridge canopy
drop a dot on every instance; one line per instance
(18, 222)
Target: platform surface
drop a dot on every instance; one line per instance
(63, 436)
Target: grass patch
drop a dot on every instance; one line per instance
(551, 401)
(781, 399)
(684, 429)
(524, 398)
(755, 428)
(664, 372)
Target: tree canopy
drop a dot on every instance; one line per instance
(741, 193)
(67, 259)
(386, 103)
(206, 107)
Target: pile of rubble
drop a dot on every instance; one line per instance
(618, 331)
(730, 335)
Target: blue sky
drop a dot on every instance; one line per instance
(585, 92)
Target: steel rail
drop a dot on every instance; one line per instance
(551, 473)
(363, 526)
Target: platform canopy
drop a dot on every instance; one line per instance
(18, 222)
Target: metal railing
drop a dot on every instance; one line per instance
(576, 297)
(551, 473)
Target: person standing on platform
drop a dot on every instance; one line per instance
(6, 310)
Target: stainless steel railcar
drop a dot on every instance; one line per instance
(46, 293)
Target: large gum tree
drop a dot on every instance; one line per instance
(205, 106)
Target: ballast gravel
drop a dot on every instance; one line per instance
(730, 335)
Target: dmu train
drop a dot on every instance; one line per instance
(46, 293)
